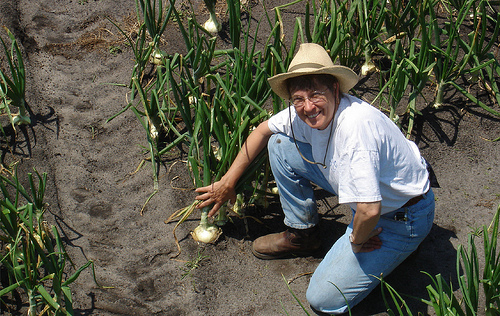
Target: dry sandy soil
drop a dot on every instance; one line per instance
(95, 197)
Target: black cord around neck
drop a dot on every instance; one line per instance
(297, 146)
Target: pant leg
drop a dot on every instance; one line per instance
(355, 274)
(293, 177)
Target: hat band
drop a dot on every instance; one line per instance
(298, 67)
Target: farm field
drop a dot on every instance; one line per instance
(78, 67)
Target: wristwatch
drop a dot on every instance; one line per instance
(351, 239)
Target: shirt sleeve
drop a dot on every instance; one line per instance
(280, 122)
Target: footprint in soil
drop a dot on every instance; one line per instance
(100, 209)
(80, 194)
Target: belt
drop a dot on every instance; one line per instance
(413, 201)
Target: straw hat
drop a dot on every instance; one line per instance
(312, 59)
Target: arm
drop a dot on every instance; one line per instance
(223, 190)
(364, 235)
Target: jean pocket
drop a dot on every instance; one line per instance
(400, 215)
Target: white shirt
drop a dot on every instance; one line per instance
(368, 158)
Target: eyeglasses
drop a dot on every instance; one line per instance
(316, 97)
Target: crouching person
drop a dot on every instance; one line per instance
(351, 149)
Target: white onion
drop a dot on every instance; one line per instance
(367, 68)
(206, 233)
(212, 26)
(156, 57)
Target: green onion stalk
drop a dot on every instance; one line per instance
(150, 14)
(368, 66)
(239, 204)
(446, 53)
(232, 113)
(225, 117)
(479, 52)
(375, 14)
(205, 232)
(471, 276)
(441, 88)
(36, 258)
(12, 90)
(398, 80)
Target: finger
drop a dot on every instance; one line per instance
(373, 242)
(204, 189)
(233, 199)
(214, 210)
(205, 203)
(200, 190)
(375, 232)
(373, 245)
(205, 196)
(368, 248)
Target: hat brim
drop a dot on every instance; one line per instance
(346, 78)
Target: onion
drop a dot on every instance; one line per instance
(211, 25)
(206, 233)
(156, 57)
(153, 131)
(368, 67)
(238, 205)
(20, 119)
(395, 119)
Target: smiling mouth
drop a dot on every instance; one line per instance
(313, 115)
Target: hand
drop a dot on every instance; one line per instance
(217, 194)
(371, 244)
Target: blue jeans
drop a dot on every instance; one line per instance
(354, 275)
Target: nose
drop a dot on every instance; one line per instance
(308, 105)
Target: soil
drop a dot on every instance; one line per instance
(77, 65)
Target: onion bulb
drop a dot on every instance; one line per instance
(368, 67)
(156, 57)
(212, 25)
(206, 233)
(395, 119)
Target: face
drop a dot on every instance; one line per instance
(316, 106)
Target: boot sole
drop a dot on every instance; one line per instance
(284, 255)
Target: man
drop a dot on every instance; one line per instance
(351, 149)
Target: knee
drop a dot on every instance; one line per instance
(276, 143)
(329, 301)
(271, 144)
(279, 147)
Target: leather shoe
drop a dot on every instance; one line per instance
(291, 242)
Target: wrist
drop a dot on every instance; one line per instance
(353, 242)
(229, 181)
